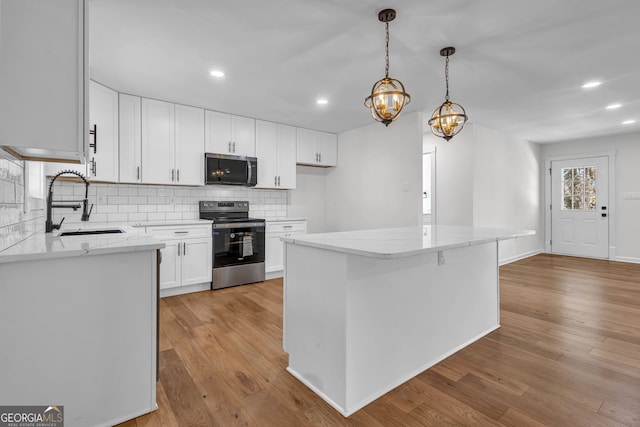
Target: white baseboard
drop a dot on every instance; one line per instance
(179, 290)
(519, 257)
(273, 274)
(627, 259)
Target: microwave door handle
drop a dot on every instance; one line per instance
(249, 172)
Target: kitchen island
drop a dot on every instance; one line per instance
(365, 311)
(78, 323)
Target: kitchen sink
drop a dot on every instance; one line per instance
(91, 232)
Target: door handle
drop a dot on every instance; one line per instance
(184, 248)
(604, 215)
(94, 132)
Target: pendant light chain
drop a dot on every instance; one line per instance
(386, 55)
(446, 77)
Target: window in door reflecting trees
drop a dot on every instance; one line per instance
(579, 188)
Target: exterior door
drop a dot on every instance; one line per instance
(579, 207)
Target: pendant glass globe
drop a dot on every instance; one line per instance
(447, 120)
(387, 99)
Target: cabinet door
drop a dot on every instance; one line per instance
(267, 152)
(189, 145)
(327, 147)
(274, 252)
(217, 133)
(286, 156)
(196, 261)
(44, 78)
(130, 142)
(170, 271)
(306, 153)
(103, 118)
(244, 136)
(158, 142)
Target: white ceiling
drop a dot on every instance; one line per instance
(519, 65)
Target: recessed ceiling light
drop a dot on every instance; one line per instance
(322, 101)
(217, 73)
(590, 85)
(613, 106)
(628, 122)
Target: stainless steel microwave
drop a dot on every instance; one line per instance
(230, 170)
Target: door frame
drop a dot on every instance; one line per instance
(611, 156)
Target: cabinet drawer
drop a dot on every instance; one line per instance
(181, 232)
(286, 227)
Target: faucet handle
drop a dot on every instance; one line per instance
(57, 226)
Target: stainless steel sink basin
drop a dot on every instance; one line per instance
(91, 232)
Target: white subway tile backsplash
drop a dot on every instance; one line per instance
(138, 200)
(117, 200)
(128, 191)
(156, 216)
(117, 217)
(136, 203)
(128, 208)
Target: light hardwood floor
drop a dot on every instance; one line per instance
(567, 354)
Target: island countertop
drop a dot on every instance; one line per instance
(389, 243)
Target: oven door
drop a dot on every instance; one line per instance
(238, 243)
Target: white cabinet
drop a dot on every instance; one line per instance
(315, 148)
(53, 168)
(44, 78)
(172, 143)
(158, 142)
(189, 147)
(274, 248)
(276, 153)
(130, 138)
(187, 257)
(228, 134)
(103, 126)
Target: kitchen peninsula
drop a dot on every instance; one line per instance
(78, 322)
(365, 311)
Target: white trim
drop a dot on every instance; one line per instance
(611, 156)
(631, 260)
(179, 290)
(520, 256)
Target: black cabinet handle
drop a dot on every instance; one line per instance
(94, 132)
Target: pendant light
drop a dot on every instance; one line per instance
(449, 118)
(388, 96)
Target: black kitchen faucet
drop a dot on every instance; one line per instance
(49, 225)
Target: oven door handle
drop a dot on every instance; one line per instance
(239, 225)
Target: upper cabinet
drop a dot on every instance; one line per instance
(172, 143)
(276, 153)
(228, 134)
(315, 148)
(103, 128)
(44, 79)
(130, 138)
(189, 127)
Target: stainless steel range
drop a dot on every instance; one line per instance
(238, 243)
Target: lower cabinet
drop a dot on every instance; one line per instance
(187, 257)
(274, 258)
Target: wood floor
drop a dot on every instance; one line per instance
(567, 354)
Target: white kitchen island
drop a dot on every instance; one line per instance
(78, 325)
(365, 311)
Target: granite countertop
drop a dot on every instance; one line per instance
(392, 243)
(170, 222)
(285, 219)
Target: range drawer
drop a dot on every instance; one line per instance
(287, 227)
(180, 232)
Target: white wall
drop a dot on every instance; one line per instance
(378, 181)
(627, 180)
(488, 179)
(308, 199)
